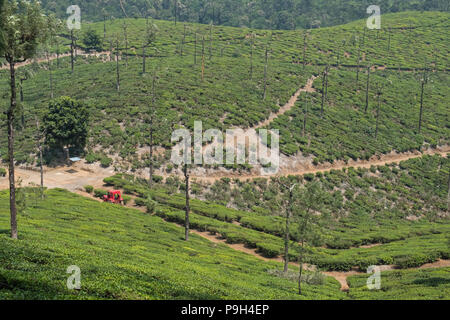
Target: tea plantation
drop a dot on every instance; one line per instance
(229, 92)
(126, 254)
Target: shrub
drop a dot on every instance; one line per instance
(89, 189)
(2, 172)
(157, 179)
(139, 202)
(99, 193)
(150, 204)
(126, 199)
(106, 162)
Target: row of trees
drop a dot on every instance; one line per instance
(267, 14)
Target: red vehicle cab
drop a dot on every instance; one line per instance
(114, 196)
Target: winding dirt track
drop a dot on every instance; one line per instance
(54, 57)
(288, 106)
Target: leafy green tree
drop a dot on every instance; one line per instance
(23, 27)
(66, 124)
(92, 40)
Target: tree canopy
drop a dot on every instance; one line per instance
(22, 27)
(263, 14)
(66, 123)
(92, 40)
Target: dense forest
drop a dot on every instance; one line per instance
(260, 14)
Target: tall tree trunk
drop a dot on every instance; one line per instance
(203, 58)
(304, 50)
(117, 66)
(323, 91)
(150, 181)
(210, 41)
(71, 49)
(126, 44)
(448, 195)
(21, 89)
(50, 74)
(110, 50)
(300, 260)
(305, 115)
(12, 184)
(186, 223)
(389, 41)
(286, 234)
(143, 58)
(378, 114)
(367, 89)
(195, 49)
(265, 74)
(57, 54)
(41, 160)
(421, 106)
(251, 58)
(104, 28)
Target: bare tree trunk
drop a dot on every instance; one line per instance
(389, 40)
(104, 28)
(304, 50)
(265, 74)
(50, 74)
(117, 66)
(21, 89)
(203, 58)
(143, 58)
(71, 49)
(286, 234)
(126, 44)
(251, 58)
(367, 89)
(150, 182)
(300, 260)
(448, 195)
(305, 115)
(421, 106)
(110, 50)
(323, 90)
(57, 54)
(378, 114)
(186, 224)
(41, 160)
(210, 41)
(12, 185)
(195, 49)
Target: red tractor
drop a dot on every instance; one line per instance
(114, 196)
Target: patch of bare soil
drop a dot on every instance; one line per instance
(54, 57)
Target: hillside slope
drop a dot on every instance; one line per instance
(126, 254)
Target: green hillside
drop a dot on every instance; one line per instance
(230, 96)
(126, 254)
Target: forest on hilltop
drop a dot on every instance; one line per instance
(260, 14)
